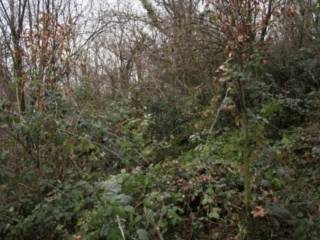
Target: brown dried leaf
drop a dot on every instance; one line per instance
(259, 212)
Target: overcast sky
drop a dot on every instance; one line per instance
(112, 3)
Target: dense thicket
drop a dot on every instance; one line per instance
(160, 119)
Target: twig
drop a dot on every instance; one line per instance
(121, 228)
(218, 113)
(159, 233)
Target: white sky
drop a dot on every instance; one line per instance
(135, 3)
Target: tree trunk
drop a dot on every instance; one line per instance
(19, 78)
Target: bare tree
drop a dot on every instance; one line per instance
(12, 19)
(37, 35)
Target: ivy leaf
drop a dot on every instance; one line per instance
(214, 213)
(143, 234)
